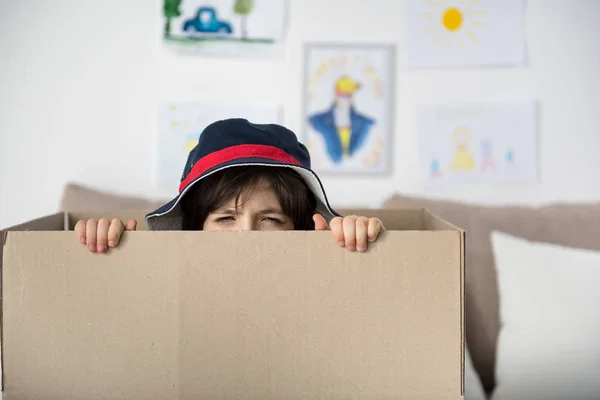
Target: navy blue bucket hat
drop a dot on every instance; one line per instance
(238, 143)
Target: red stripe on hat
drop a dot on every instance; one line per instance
(233, 153)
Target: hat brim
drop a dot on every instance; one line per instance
(170, 215)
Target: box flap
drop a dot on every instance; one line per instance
(434, 222)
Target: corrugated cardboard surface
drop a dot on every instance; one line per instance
(187, 315)
(48, 223)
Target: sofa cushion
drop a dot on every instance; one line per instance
(548, 345)
(78, 198)
(573, 225)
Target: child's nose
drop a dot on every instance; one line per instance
(249, 225)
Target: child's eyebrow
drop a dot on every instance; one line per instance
(231, 211)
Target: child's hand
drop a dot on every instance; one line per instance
(100, 235)
(352, 232)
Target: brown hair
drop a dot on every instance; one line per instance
(212, 192)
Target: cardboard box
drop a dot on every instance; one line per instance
(234, 315)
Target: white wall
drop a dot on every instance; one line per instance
(80, 81)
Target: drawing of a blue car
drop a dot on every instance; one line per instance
(206, 21)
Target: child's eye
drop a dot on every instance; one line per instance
(224, 219)
(273, 220)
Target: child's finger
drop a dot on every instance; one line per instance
(375, 227)
(349, 226)
(102, 235)
(131, 225)
(362, 224)
(90, 234)
(320, 223)
(114, 232)
(337, 230)
(80, 231)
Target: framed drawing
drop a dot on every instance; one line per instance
(348, 102)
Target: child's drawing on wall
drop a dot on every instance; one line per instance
(343, 127)
(232, 27)
(180, 124)
(462, 33)
(347, 107)
(458, 143)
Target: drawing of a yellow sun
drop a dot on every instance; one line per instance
(452, 18)
(452, 23)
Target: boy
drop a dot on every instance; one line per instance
(244, 176)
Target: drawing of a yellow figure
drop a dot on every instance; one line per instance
(343, 127)
(463, 159)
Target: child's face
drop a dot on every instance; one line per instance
(260, 212)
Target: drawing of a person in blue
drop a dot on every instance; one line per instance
(343, 128)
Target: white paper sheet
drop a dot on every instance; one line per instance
(225, 27)
(489, 143)
(180, 126)
(348, 106)
(465, 33)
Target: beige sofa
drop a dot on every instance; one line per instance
(575, 225)
(572, 225)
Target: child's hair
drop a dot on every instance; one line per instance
(212, 192)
